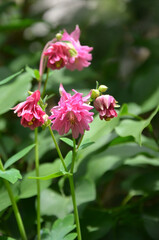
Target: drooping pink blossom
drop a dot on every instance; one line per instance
(72, 113)
(30, 112)
(105, 105)
(58, 55)
(83, 57)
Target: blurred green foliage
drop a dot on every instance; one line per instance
(117, 182)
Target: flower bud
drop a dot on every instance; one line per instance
(103, 88)
(95, 93)
(58, 36)
(47, 121)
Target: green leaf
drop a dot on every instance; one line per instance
(4, 199)
(151, 223)
(44, 169)
(16, 91)
(141, 160)
(37, 74)
(61, 230)
(17, 24)
(51, 176)
(68, 161)
(17, 156)
(134, 128)
(67, 141)
(52, 203)
(34, 72)
(85, 145)
(6, 238)
(11, 175)
(10, 78)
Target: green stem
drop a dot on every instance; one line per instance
(15, 207)
(38, 184)
(73, 156)
(70, 181)
(80, 141)
(75, 207)
(58, 149)
(46, 80)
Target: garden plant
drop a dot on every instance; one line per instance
(76, 162)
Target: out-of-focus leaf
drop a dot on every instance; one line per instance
(13, 92)
(18, 155)
(6, 80)
(53, 203)
(6, 238)
(85, 145)
(28, 187)
(67, 141)
(4, 199)
(51, 176)
(61, 230)
(99, 134)
(34, 72)
(68, 160)
(141, 160)
(134, 128)
(96, 223)
(17, 24)
(151, 223)
(11, 175)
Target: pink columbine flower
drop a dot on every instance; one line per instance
(66, 52)
(72, 113)
(58, 55)
(30, 111)
(105, 105)
(83, 57)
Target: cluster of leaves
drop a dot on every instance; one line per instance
(118, 162)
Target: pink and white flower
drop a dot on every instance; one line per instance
(83, 57)
(72, 113)
(30, 112)
(66, 52)
(105, 105)
(58, 55)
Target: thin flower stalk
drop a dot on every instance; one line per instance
(38, 183)
(15, 207)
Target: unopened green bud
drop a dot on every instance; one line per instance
(58, 36)
(95, 93)
(103, 88)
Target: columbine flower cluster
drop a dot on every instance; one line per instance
(68, 52)
(73, 112)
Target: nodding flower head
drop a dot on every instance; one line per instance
(105, 105)
(30, 112)
(83, 57)
(72, 113)
(58, 55)
(66, 51)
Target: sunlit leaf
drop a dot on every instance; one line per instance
(11, 175)
(134, 128)
(18, 155)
